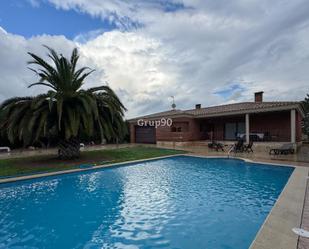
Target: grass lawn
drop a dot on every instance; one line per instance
(36, 164)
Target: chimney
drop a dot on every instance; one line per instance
(258, 97)
(198, 106)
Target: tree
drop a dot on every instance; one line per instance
(66, 110)
(306, 118)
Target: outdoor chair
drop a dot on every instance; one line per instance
(6, 149)
(285, 149)
(216, 146)
(248, 147)
(239, 146)
(267, 136)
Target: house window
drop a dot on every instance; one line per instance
(180, 127)
(206, 127)
(232, 130)
(203, 127)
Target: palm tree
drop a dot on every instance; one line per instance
(66, 110)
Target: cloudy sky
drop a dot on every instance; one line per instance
(200, 51)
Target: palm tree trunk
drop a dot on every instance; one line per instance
(69, 149)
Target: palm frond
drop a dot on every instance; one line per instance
(66, 110)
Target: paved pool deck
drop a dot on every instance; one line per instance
(303, 243)
(276, 232)
(291, 209)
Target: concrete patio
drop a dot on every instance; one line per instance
(261, 151)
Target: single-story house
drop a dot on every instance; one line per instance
(258, 121)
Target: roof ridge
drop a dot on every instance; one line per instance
(245, 102)
(228, 108)
(193, 109)
(159, 113)
(280, 101)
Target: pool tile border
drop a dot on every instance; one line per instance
(75, 170)
(69, 171)
(276, 231)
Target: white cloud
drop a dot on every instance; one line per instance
(133, 65)
(130, 63)
(34, 3)
(190, 53)
(15, 77)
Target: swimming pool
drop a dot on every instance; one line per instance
(177, 202)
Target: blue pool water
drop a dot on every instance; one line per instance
(179, 202)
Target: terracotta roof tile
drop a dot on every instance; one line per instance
(239, 107)
(163, 114)
(221, 110)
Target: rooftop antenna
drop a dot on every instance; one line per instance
(173, 103)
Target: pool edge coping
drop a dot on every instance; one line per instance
(76, 170)
(276, 230)
(262, 240)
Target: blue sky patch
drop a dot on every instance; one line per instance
(172, 7)
(229, 90)
(20, 17)
(30, 19)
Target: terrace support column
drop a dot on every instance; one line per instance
(247, 128)
(293, 126)
(132, 133)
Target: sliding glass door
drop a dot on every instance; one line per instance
(233, 129)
